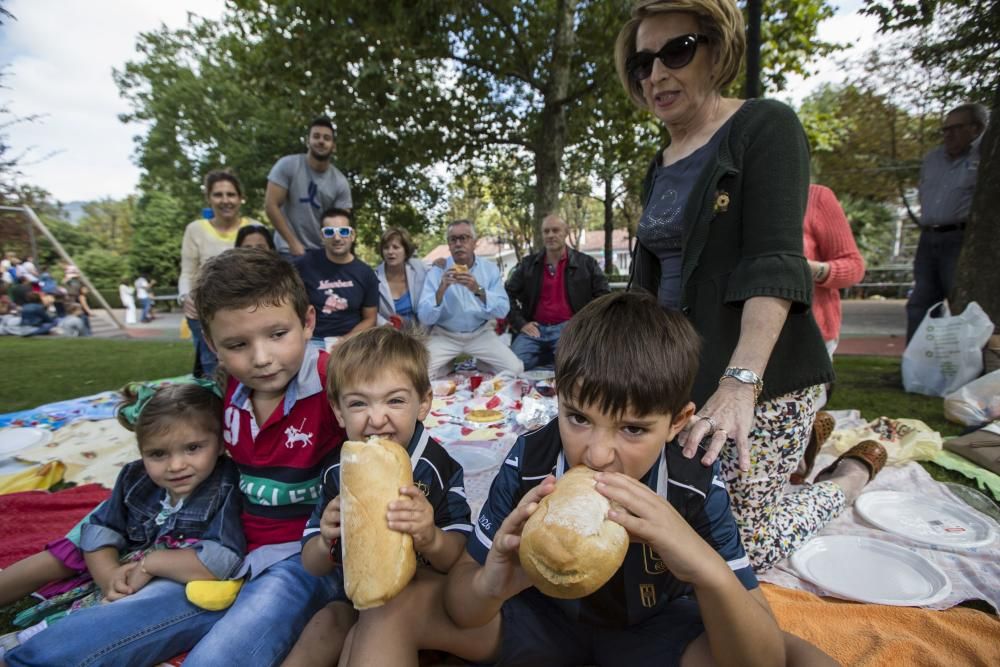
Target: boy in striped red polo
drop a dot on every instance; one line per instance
(281, 432)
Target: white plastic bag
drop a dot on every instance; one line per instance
(976, 403)
(946, 352)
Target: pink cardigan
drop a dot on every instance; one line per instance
(828, 238)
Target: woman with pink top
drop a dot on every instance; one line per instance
(833, 257)
(835, 263)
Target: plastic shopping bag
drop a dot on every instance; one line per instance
(976, 403)
(946, 352)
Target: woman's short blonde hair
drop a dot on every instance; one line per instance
(720, 20)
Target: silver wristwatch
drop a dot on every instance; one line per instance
(746, 376)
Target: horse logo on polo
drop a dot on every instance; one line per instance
(297, 435)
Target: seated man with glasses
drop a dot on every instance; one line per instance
(546, 289)
(342, 288)
(459, 301)
(947, 183)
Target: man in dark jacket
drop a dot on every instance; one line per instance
(546, 289)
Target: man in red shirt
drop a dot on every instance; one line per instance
(546, 289)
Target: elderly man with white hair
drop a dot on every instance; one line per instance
(459, 303)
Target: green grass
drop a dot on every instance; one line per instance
(44, 370)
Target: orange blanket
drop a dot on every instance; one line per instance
(863, 635)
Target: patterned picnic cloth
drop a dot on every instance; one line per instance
(522, 408)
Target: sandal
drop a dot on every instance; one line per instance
(869, 452)
(821, 430)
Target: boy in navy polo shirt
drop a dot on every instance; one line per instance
(378, 386)
(686, 593)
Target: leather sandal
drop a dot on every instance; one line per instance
(821, 430)
(869, 452)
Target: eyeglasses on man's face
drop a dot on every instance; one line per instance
(342, 232)
(459, 239)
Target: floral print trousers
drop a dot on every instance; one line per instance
(774, 523)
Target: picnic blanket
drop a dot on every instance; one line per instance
(864, 635)
(93, 451)
(31, 519)
(974, 573)
(57, 415)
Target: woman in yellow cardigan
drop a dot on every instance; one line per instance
(205, 238)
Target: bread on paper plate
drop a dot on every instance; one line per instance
(378, 562)
(569, 547)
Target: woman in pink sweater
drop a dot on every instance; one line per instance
(836, 263)
(833, 257)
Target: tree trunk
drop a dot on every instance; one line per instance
(977, 277)
(551, 139)
(609, 226)
(754, 9)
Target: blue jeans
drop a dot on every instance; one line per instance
(147, 306)
(206, 358)
(158, 623)
(933, 273)
(541, 351)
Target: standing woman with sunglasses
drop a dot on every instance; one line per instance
(342, 288)
(720, 239)
(211, 235)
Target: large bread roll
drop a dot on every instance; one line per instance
(569, 548)
(378, 562)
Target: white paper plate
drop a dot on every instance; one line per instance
(923, 519)
(539, 375)
(13, 440)
(867, 570)
(475, 459)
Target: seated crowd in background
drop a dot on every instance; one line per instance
(33, 303)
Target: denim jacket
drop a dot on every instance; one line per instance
(208, 521)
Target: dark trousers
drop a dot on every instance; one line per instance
(933, 273)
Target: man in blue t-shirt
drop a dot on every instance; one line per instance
(342, 288)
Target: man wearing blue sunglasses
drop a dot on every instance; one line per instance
(342, 288)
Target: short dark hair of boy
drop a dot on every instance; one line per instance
(361, 358)
(172, 403)
(337, 213)
(623, 352)
(213, 177)
(321, 121)
(243, 278)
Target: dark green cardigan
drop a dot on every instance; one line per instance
(743, 238)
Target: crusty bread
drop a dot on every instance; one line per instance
(460, 268)
(378, 562)
(569, 548)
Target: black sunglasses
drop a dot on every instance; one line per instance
(675, 54)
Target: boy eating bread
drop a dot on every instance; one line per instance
(685, 593)
(379, 388)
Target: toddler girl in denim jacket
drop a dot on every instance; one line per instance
(175, 513)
